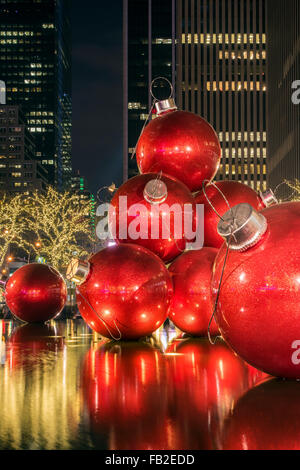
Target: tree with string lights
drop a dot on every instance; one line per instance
(58, 226)
(295, 187)
(13, 225)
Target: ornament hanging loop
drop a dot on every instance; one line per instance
(168, 82)
(209, 202)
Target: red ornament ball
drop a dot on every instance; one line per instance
(36, 293)
(148, 201)
(235, 193)
(259, 304)
(192, 306)
(180, 144)
(127, 292)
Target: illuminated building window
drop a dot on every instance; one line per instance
(223, 38)
(134, 105)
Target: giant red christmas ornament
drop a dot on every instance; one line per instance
(266, 418)
(191, 306)
(259, 303)
(124, 291)
(235, 193)
(180, 144)
(155, 212)
(36, 293)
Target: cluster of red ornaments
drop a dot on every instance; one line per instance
(126, 291)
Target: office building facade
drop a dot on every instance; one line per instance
(35, 64)
(20, 171)
(149, 52)
(284, 93)
(218, 69)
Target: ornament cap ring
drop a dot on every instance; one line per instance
(78, 271)
(156, 191)
(268, 198)
(242, 227)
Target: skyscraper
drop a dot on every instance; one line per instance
(221, 75)
(35, 64)
(284, 92)
(149, 52)
(217, 51)
(19, 169)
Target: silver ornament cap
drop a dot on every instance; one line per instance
(268, 198)
(156, 191)
(242, 227)
(165, 105)
(78, 271)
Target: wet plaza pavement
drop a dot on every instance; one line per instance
(64, 387)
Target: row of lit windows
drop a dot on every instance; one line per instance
(224, 38)
(25, 90)
(18, 33)
(39, 121)
(226, 137)
(251, 152)
(48, 26)
(235, 86)
(19, 41)
(37, 129)
(247, 169)
(41, 113)
(251, 55)
(135, 106)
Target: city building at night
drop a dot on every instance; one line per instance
(149, 47)
(20, 171)
(283, 95)
(35, 65)
(217, 57)
(79, 186)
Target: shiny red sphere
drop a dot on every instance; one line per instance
(180, 144)
(36, 293)
(266, 418)
(170, 239)
(259, 305)
(235, 193)
(127, 293)
(192, 307)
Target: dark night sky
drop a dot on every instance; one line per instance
(97, 91)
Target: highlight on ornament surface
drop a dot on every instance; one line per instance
(258, 301)
(123, 292)
(36, 293)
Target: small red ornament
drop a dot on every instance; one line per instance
(258, 309)
(126, 292)
(36, 293)
(180, 144)
(163, 203)
(191, 306)
(235, 193)
(265, 418)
